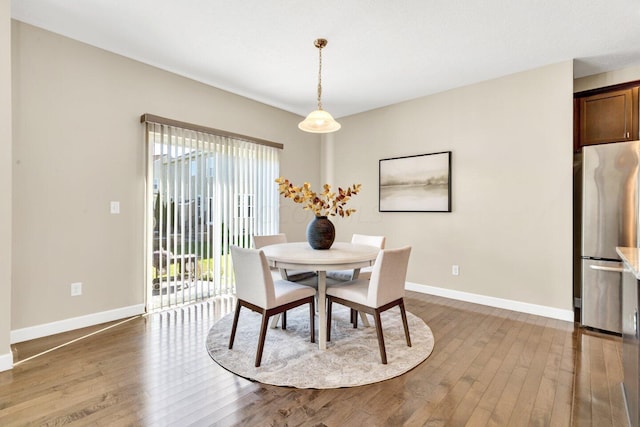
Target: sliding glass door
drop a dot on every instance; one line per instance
(205, 193)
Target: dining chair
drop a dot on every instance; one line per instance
(257, 291)
(273, 239)
(291, 275)
(384, 290)
(365, 273)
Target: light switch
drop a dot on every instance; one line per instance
(115, 207)
(76, 289)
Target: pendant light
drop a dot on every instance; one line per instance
(319, 121)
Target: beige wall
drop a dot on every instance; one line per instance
(607, 79)
(511, 226)
(78, 145)
(5, 183)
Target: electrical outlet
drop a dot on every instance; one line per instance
(455, 270)
(115, 207)
(76, 289)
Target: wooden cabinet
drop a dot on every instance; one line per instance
(607, 116)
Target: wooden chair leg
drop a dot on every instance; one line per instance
(235, 325)
(263, 334)
(329, 302)
(403, 313)
(354, 317)
(312, 319)
(284, 320)
(383, 352)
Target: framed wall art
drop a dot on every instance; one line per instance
(420, 183)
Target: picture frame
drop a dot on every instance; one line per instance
(418, 183)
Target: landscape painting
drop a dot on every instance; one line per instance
(420, 183)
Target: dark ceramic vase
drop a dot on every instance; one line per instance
(321, 233)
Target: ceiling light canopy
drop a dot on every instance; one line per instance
(319, 121)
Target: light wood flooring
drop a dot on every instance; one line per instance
(489, 367)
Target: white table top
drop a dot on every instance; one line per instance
(341, 256)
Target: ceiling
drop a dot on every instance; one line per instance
(380, 52)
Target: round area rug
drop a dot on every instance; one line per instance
(352, 357)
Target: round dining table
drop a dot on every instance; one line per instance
(301, 256)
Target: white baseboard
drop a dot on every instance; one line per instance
(39, 331)
(6, 362)
(523, 307)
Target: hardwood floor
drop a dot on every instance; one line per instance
(489, 367)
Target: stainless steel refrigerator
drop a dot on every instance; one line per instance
(609, 219)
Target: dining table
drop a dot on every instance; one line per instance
(340, 256)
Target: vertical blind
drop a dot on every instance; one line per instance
(207, 191)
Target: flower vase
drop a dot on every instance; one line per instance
(321, 233)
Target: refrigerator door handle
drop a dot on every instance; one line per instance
(611, 269)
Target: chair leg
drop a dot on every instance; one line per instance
(383, 352)
(354, 314)
(329, 302)
(235, 325)
(284, 320)
(312, 320)
(403, 313)
(263, 334)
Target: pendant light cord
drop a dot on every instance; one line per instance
(320, 78)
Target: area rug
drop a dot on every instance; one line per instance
(352, 357)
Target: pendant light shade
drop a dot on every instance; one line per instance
(319, 121)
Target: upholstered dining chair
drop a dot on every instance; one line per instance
(365, 273)
(273, 239)
(257, 291)
(384, 290)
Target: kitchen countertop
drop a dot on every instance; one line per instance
(631, 258)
